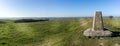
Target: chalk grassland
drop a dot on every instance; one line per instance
(66, 32)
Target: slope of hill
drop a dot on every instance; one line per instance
(67, 32)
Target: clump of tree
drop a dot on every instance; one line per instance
(2, 22)
(31, 20)
(110, 17)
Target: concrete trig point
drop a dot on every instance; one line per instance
(98, 27)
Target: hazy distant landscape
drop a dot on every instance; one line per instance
(65, 32)
(50, 18)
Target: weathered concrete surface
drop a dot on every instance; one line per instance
(89, 32)
(98, 21)
(97, 28)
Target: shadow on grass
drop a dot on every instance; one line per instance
(115, 34)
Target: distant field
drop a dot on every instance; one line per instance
(67, 32)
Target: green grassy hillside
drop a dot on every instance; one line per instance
(66, 32)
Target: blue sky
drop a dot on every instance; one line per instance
(58, 8)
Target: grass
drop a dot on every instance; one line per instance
(67, 32)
